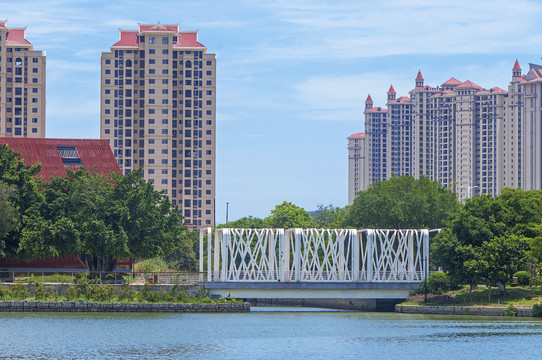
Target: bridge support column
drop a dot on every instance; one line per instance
(297, 254)
(355, 254)
(370, 254)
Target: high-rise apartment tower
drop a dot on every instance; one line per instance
(22, 85)
(158, 102)
(470, 139)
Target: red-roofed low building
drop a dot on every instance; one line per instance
(158, 110)
(55, 156)
(22, 85)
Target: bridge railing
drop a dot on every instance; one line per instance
(315, 255)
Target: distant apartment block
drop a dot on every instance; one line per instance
(357, 176)
(472, 140)
(158, 111)
(22, 85)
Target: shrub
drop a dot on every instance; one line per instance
(511, 310)
(100, 292)
(2, 291)
(148, 295)
(524, 277)
(537, 310)
(19, 291)
(127, 293)
(71, 293)
(41, 292)
(437, 283)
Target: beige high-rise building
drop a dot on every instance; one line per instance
(158, 111)
(22, 85)
(531, 88)
(472, 140)
(357, 164)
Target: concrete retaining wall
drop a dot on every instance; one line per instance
(459, 310)
(75, 306)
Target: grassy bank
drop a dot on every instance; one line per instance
(517, 296)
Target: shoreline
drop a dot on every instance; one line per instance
(459, 310)
(77, 306)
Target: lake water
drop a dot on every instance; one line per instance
(267, 333)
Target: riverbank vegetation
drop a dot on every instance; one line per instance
(86, 290)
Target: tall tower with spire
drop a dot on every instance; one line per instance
(368, 102)
(419, 79)
(391, 93)
(516, 70)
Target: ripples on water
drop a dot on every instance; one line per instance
(267, 334)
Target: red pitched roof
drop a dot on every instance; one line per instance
(94, 154)
(127, 39)
(391, 90)
(356, 135)
(516, 65)
(188, 39)
(3, 23)
(376, 109)
(158, 27)
(422, 88)
(185, 39)
(468, 84)
(419, 77)
(17, 37)
(452, 81)
(369, 99)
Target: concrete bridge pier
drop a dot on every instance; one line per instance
(359, 296)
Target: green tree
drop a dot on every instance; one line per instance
(8, 213)
(101, 219)
(402, 203)
(486, 240)
(329, 216)
(247, 222)
(287, 216)
(504, 256)
(184, 257)
(20, 192)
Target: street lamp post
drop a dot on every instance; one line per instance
(227, 205)
(469, 190)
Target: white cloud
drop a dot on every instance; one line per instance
(361, 29)
(342, 98)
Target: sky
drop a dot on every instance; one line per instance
(292, 76)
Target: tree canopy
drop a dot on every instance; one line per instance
(287, 216)
(247, 222)
(8, 213)
(101, 218)
(329, 216)
(19, 192)
(402, 203)
(487, 240)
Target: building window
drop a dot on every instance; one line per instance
(165, 40)
(152, 40)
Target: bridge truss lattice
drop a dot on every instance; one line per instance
(315, 255)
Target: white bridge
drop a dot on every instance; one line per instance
(314, 263)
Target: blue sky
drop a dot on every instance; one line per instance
(292, 76)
